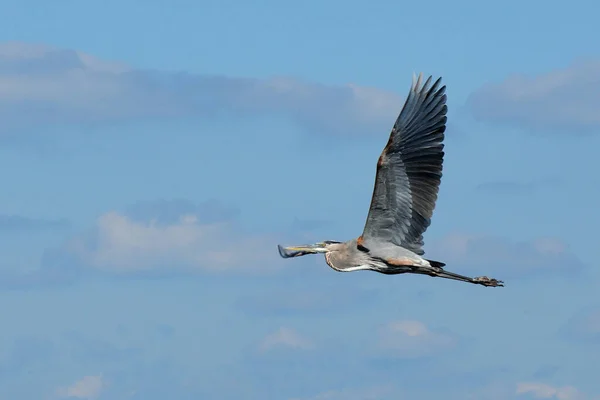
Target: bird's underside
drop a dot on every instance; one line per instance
(409, 172)
(434, 269)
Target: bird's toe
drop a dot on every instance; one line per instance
(485, 281)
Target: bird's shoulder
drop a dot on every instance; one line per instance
(383, 249)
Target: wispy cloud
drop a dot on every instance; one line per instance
(285, 338)
(503, 256)
(566, 100)
(544, 391)
(413, 339)
(44, 85)
(88, 387)
(165, 212)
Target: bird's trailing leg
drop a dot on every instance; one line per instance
(442, 273)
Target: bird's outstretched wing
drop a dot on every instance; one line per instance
(409, 170)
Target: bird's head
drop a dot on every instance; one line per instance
(302, 250)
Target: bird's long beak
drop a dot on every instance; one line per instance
(297, 251)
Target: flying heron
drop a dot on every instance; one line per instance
(409, 171)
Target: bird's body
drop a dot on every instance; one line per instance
(409, 172)
(347, 257)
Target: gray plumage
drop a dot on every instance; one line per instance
(409, 172)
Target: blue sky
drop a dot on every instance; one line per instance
(154, 153)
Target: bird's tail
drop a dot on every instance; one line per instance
(436, 264)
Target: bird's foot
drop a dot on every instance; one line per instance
(485, 281)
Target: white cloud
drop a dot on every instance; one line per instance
(488, 254)
(44, 85)
(413, 339)
(566, 99)
(544, 391)
(89, 387)
(286, 338)
(120, 244)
